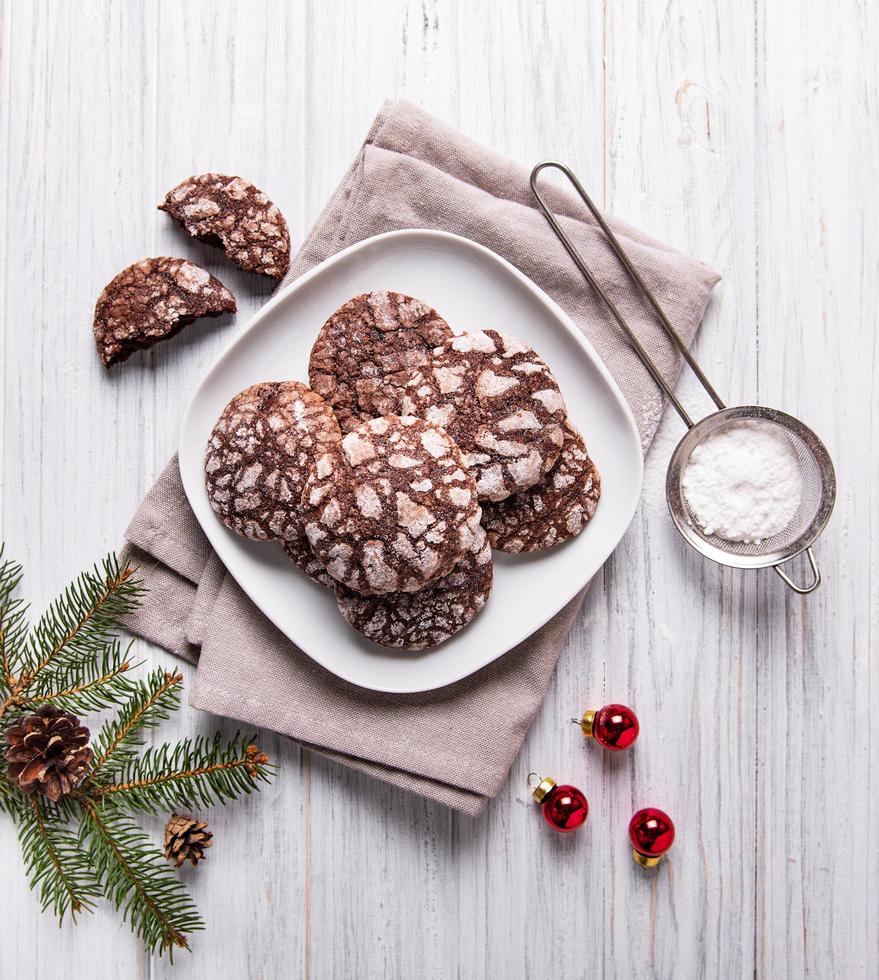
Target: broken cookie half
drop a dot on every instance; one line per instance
(151, 301)
(232, 213)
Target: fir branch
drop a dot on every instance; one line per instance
(137, 881)
(73, 661)
(10, 798)
(80, 621)
(86, 613)
(153, 700)
(13, 628)
(199, 772)
(54, 862)
(87, 683)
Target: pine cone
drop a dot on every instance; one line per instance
(186, 839)
(48, 752)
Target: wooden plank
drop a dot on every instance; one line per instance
(69, 472)
(679, 630)
(114, 103)
(817, 155)
(380, 901)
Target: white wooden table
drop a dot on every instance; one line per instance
(746, 135)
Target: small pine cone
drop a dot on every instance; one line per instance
(48, 752)
(186, 839)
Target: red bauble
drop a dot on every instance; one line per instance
(652, 833)
(565, 808)
(615, 727)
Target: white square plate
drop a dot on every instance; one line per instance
(472, 288)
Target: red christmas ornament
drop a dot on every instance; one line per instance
(614, 726)
(564, 807)
(652, 833)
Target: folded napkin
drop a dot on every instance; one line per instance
(457, 744)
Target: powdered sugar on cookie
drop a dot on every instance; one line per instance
(391, 508)
(434, 614)
(259, 454)
(370, 336)
(552, 511)
(495, 397)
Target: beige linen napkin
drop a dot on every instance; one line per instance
(454, 745)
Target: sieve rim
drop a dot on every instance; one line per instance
(674, 493)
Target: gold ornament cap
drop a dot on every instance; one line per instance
(646, 860)
(543, 788)
(586, 723)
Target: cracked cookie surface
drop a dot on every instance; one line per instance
(152, 300)
(552, 511)
(392, 507)
(434, 614)
(299, 551)
(232, 213)
(496, 398)
(259, 454)
(370, 336)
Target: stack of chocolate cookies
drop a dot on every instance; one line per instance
(415, 451)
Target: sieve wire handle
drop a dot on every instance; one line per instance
(620, 253)
(801, 589)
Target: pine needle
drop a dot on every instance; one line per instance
(85, 615)
(90, 683)
(13, 626)
(54, 863)
(10, 798)
(152, 702)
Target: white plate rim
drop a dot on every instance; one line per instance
(216, 531)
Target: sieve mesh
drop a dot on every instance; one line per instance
(810, 501)
(816, 501)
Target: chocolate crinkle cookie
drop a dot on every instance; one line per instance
(259, 454)
(371, 336)
(496, 398)
(151, 301)
(552, 511)
(232, 213)
(299, 552)
(392, 507)
(415, 620)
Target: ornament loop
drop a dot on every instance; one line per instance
(533, 785)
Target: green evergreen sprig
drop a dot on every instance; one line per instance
(54, 863)
(73, 644)
(86, 845)
(196, 772)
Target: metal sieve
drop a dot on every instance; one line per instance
(816, 467)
